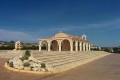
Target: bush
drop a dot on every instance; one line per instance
(24, 58)
(11, 64)
(26, 64)
(43, 65)
(26, 55)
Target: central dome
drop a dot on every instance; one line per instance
(59, 35)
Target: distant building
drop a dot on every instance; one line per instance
(18, 45)
(65, 42)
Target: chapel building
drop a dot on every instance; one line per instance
(65, 42)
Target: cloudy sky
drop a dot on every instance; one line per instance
(29, 20)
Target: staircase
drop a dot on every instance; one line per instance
(61, 61)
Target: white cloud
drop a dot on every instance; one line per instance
(15, 35)
(105, 24)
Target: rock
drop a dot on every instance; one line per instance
(18, 66)
(31, 62)
(20, 56)
(16, 58)
(35, 69)
(49, 68)
(17, 63)
(26, 61)
(39, 61)
(31, 58)
(27, 68)
(35, 65)
(39, 68)
(43, 69)
(11, 60)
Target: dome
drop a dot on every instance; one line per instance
(59, 35)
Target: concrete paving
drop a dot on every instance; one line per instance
(106, 68)
(8, 55)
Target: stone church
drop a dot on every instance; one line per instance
(65, 42)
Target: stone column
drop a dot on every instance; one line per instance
(59, 44)
(76, 46)
(48, 47)
(71, 45)
(83, 46)
(86, 46)
(39, 46)
(89, 48)
(59, 47)
(80, 46)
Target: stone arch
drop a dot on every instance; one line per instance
(54, 45)
(44, 45)
(65, 45)
(73, 45)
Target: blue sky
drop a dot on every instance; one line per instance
(29, 20)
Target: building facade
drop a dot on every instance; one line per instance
(18, 45)
(65, 42)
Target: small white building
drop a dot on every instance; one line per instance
(18, 45)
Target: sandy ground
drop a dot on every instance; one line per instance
(106, 68)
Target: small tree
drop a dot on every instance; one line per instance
(43, 65)
(26, 55)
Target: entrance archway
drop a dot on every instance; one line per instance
(44, 45)
(54, 45)
(65, 45)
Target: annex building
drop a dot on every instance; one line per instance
(65, 42)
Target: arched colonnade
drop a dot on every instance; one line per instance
(65, 45)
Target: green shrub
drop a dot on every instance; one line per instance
(43, 65)
(26, 55)
(26, 64)
(11, 64)
(24, 58)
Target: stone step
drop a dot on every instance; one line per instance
(59, 57)
(53, 64)
(63, 57)
(61, 61)
(72, 64)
